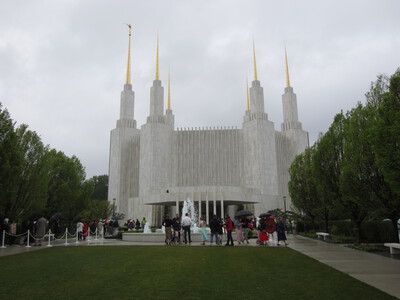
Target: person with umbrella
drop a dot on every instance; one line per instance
(239, 232)
(244, 223)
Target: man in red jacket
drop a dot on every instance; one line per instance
(229, 226)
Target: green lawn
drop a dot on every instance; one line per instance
(125, 272)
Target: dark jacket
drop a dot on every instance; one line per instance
(214, 225)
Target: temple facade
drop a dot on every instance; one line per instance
(154, 169)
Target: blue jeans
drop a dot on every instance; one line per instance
(186, 229)
(216, 237)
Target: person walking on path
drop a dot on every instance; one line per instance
(41, 225)
(167, 223)
(203, 231)
(214, 226)
(186, 223)
(280, 229)
(229, 228)
(245, 229)
(239, 232)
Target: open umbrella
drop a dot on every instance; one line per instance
(264, 215)
(243, 213)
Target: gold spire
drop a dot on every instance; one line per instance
(128, 68)
(169, 90)
(157, 63)
(287, 70)
(247, 94)
(255, 63)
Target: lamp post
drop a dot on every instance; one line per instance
(284, 204)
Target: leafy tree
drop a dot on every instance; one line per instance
(68, 191)
(33, 178)
(11, 162)
(326, 165)
(386, 137)
(302, 187)
(100, 187)
(359, 174)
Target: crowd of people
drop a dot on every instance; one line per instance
(177, 229)
(221, 228)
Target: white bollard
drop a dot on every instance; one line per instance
(27, 241)
(48, 237)
(4, 237)
(66, 237)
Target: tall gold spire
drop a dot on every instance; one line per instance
(255, 63)
(287, 70)
(157, 63)
(247, 94)
(128, 67)
(169, 90)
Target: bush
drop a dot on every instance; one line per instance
(377, 231)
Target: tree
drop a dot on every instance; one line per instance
(69, 193)
(33, 177)
(11, 162)
(100, 187)
(359, 175)
(326, 165)
(386, 138)
(302, 187)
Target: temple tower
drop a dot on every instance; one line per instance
(155, 148)
(260, 169)
(124, 141)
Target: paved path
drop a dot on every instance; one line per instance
(375, 270)
(378, 271)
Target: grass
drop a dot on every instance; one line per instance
(125, 272)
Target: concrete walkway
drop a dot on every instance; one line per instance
(375, 270)
(378, 271)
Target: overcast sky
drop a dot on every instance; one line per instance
(63, 63)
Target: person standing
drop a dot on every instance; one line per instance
(167, 223)
(229, 226)
(280, 229)
(79, 229)
(137, 225)
(246, 229)
(85, 231)
(214, 226)
(186, 223)
(176, 225)
(40, 230)
(100, 228)
(239, 232)
(13, 232)
(143, 223)
(203, 231)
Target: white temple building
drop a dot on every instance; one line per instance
(157, 167)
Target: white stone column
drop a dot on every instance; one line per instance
(215, 207)
(222, 207)
(207, 210)
(215, 203)
(177, 207)
(199, 210)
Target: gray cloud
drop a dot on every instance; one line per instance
(63, 62)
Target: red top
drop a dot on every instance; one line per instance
(229, 224)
